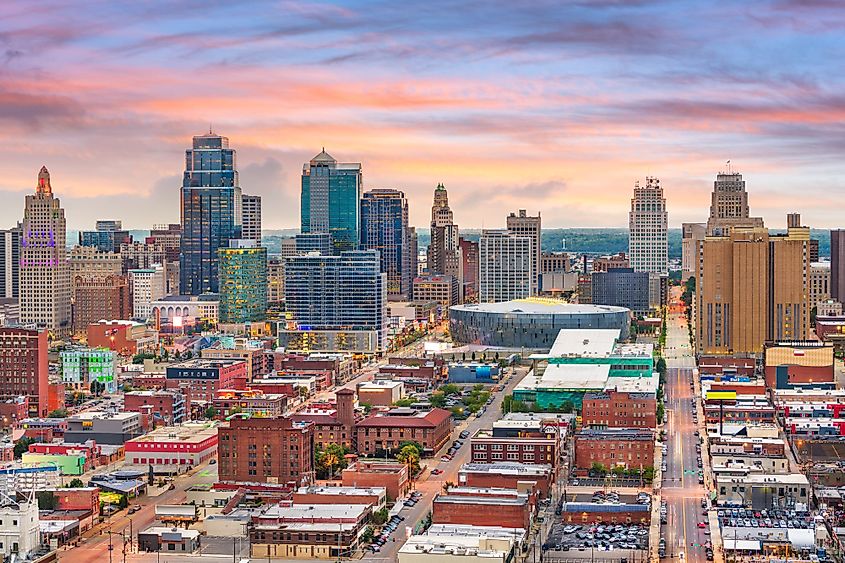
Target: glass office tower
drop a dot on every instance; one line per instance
(384, 227)
(211, 212)
(331, 193)
(243, 282)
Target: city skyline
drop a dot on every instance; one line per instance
(556, 108)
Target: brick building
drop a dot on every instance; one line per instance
(507, 509)
(376, 497)
(788, 364)
(626, 447)
(256, 359)
(99, 297)
(200, 379)
(387, 431)
(267, 450)
(726, 365)
(333, 427)
(507, 475)
(250, 402)
(24, 367)
(532, 449)
(605, 513)
(161, 408)
(13, 410)
(615, 409)
(374, 473)
(172, 446)
(127, 338)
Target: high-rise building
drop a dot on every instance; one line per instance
(331, 192)
(44, 273)
(24, 367)
(168, 237)
(243, 282)
(314, 242)
(414, 245)
(443, 248)
(648, 222)
(211, 211)
(729, 205)
(442, 289)
(99, 290)
(814, 250)
(335, 303)
(145, 286)
(107, 237)
(752, 286)
(251, 218)
(10, 262)
(819, 283)
(469, 257)
(692, 234)
(506, 266)
(837, 264)
(384, 227)
(275, 280)
(621, 287)
(523, 224)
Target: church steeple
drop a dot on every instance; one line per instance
(43, 186)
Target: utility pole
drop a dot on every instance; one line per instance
(111, 547)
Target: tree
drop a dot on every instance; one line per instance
(598, 469)
(22, 446)
(661, 366)
(367, 534)
(46, 500)
(76, 483)
(416, 445)
(367, 407)
(380, 516)
(450, 389)
(437, 399)
(405, 402)
(123, 502)
(97, 388)
(813, 314)
(409, 455)
(139, 358)
(210, 413)
(329, 460)
(58, 413)
(661, 411)
(567, 406)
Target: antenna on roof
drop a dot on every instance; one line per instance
(729, 167)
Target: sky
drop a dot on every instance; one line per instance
(552, 106)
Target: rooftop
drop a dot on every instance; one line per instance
(539, 307)
(507, 468)
(187, 433)
(341, 491)
(584, 342)
(488, 542)
(431, 418)
(102, 415)
(315, 512)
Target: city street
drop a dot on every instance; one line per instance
(680, 488)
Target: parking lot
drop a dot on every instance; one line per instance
(772, 518)
(596, 538)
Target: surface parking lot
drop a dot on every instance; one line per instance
(596, 537)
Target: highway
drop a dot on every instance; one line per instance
(680, 489)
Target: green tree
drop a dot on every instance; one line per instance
(76, 483)
(58, 413)
(46, 500)
(210, 413)
(437, 399)
(661, 412)
(367, 534)
(416, 445)
(139, 358)
(661, 366)
(22, 446)
(405, 402)
(380, 516)
(648, 473)
(329, 460)
(567, 406)
(123, 502)
(409, 455)
(450, 389)
(598, 469)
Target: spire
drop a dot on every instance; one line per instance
(43, 186)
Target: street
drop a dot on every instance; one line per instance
(681, 489)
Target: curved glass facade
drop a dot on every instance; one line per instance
(515, 327)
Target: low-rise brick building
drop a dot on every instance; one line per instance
(162, 408)
(614, 447)
(507, 475)
(387, 431)
(374, 473)
(616, 409)
(529, 448)
(200, 379)
(506, 508)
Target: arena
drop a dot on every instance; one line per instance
(529, 323)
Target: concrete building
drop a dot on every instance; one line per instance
(752, 287)
(45, 292)
(729, 206)
(376, 497)
(455, 543)
(168, 540)
(759, 491)
(554, 263)
(171, 447)
(692, 234)
(177, 311)
(611, 262)
(10, 262)
(19, 527)
(168, 237)
(251, 209)
(146, 285)
(442, 289)
(330, 200)
(622, 287)
(267, 450)
(24, 367)
(104, 428)
(380, 473)
(243, 282)
(384, 227)
(335, 303)
(506, 266)
(819, 283)
(798, 364)
(648, 223)
(508, 475)
(522, 224)
(107, 237)
(249, 402)
(275, 281)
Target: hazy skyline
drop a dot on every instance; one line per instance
(542, 106)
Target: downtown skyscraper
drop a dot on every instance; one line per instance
(648, 221)
(525, 225)
(211, 211)
(44, 270)
(384, 227)
(443, 250)
(729, 205)
(330, 202)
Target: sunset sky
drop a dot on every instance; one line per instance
(553, 106)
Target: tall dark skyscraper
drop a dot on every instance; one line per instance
(384, 227)
(331, 193)
(211, 211)
(443, 248)
(837, 264)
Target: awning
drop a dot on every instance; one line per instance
(741, 545)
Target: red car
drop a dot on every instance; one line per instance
(702, 525)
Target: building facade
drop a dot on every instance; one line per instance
(692, 234)
(469, 258)
(837, 264)
(522, 224)
(729, 205)
(331, 192)
(251, 209)
(335, 303)
(24, 367)
(615, 447)
(10, 262)
(145, 286)
(819, 283)
(621, 287)
(648, 223)
(45, 293)
(243, 282)
(505, 266)
(82, 366)
(443, 249)
(107, 237)
(267, 450)
(211, 211)
(384, 227)
(442, 289)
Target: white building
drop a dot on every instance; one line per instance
(19, 527)
(819, 283)
(692, 234)
(146, 285)
(648, 221)
(183, 309)
(506, 266)
(456, 543)
(44, 270)
(523, 224)
(251, 220)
